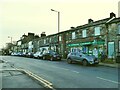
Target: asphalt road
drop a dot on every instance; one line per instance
(64, 75)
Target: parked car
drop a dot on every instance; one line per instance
(14, 54)
(85, 59)
(37, 55)
(29, 54)
(24, 54)
(51, 55)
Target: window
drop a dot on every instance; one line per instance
(44, 41)
(60, 38)
(97, 31)
(73, 35)
(84, 34)
(119, 46)
(50, 40)
(118, 29)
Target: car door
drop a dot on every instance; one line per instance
(73, 56)
(47, 55)
(79, 57)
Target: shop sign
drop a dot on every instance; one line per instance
(86, 43)
(98, 42)
(70, 45)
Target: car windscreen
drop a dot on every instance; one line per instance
(54, 53)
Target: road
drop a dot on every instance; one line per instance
(64, 75)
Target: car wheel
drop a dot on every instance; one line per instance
(84, 62)
(69, 60)
(43, 57)
(51, 58)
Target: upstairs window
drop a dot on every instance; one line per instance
(84, 33)
(119, 29)
(73, 35)
(60, 38)
(44, 41)
(97, 31)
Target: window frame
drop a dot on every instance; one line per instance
(73, 35)
(96, 31)
(84, 32)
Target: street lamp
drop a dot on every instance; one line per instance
(58, 19)
(10, 38)
(58, 25)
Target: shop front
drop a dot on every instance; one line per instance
(86, 47)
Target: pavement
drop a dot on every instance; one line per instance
(12, 78)
(115, 65)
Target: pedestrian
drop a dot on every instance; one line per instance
(95, 52)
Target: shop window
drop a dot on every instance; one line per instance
(73, 35)
(84, 33)
(97, 31)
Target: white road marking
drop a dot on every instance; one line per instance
(75, 71)
(60, 68)
(64, 68)
(108, 80)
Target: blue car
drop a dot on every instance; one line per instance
(85, 59)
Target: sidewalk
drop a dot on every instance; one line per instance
(11, 78)
(115, 65)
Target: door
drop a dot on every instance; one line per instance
(111, 49)
(79, 57)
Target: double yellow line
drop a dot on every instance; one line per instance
(40, 80)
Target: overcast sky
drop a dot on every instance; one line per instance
(22, 16)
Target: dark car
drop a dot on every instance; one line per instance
(51, 55)
(29, 55)
(85, 59)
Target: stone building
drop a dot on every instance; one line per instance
(103, 34)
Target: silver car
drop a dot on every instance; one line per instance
(85, 59)
(37, 55)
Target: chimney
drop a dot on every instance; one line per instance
(43, 34)
(112, 15)
(72, 27)
(90, 21)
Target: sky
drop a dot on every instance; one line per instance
(18, 17)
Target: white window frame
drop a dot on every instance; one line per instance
(44, 41)
(119, 45)
(119, 29)
(96, 31)
(84, 33)
(73, 35)
(60, 38)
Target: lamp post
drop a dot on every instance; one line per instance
(58, 19)
(58, 25)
